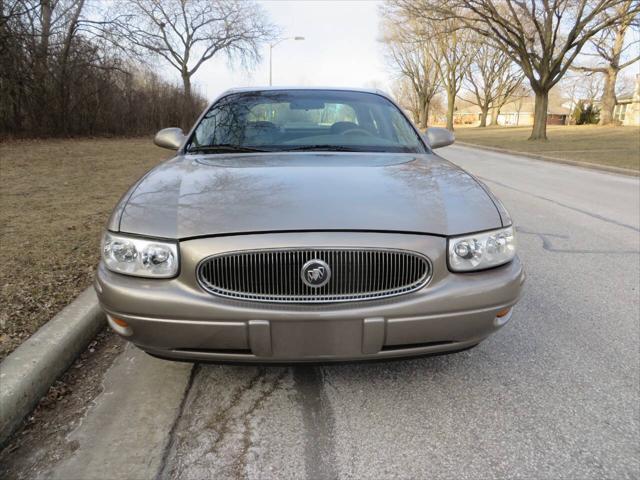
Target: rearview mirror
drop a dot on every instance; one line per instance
(439, 137)
(170, 138)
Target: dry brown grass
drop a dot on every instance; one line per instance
(613, 146)
(55, 198)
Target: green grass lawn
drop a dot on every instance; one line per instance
(612, 146)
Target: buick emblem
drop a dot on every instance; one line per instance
(315, 273)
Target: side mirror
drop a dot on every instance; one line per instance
(170, 138)
(439, 137)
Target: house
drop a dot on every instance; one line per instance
(517, 113)
(627, 109)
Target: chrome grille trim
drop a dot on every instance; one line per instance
(273, 275)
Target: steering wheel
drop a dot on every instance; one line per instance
(357, 131)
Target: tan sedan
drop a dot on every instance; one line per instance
(305, 225)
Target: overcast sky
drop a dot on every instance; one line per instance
(340, 49)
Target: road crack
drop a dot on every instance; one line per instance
(241, 462)
(222, 419)
(549, 247)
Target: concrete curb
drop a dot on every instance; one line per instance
(28, 372)
(592, 166)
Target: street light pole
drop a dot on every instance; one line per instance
(271, 46)
(271, 64)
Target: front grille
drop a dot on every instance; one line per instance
(276, 275)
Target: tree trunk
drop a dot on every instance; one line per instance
(612, 53)
(451, 105)
(539, 131)
(494, 117)
(64, 61)
(608, 102)
(483, 116)
(43, 46)
(41, 123)
(427, 110)
(422, 121)
(187, 108)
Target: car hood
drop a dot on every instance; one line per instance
(191, 196)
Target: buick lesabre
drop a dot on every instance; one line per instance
(305, 225)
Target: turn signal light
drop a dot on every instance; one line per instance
(119, 321)
(504, 312)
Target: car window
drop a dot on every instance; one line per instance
(400, 127)
(306, 120)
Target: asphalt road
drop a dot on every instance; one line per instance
(554, 394)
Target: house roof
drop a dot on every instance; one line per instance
(625, 97)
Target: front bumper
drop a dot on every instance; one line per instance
(177, 319)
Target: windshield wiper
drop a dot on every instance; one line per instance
(222, 148)
(328, 148)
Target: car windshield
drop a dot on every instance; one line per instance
(299, 120)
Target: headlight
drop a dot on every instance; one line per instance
(139, 257)
(482, 250)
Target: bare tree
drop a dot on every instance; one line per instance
(188, 33)
(542, 36)
(58, 76)
(406, 96)
(517, 97)
(626, 82)
(592, 88)
(491, 79)
(452, 56)
(613, 55)
(412, 58)
(442, 38)
(581, 87)
(511, 90)
(41, 33)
